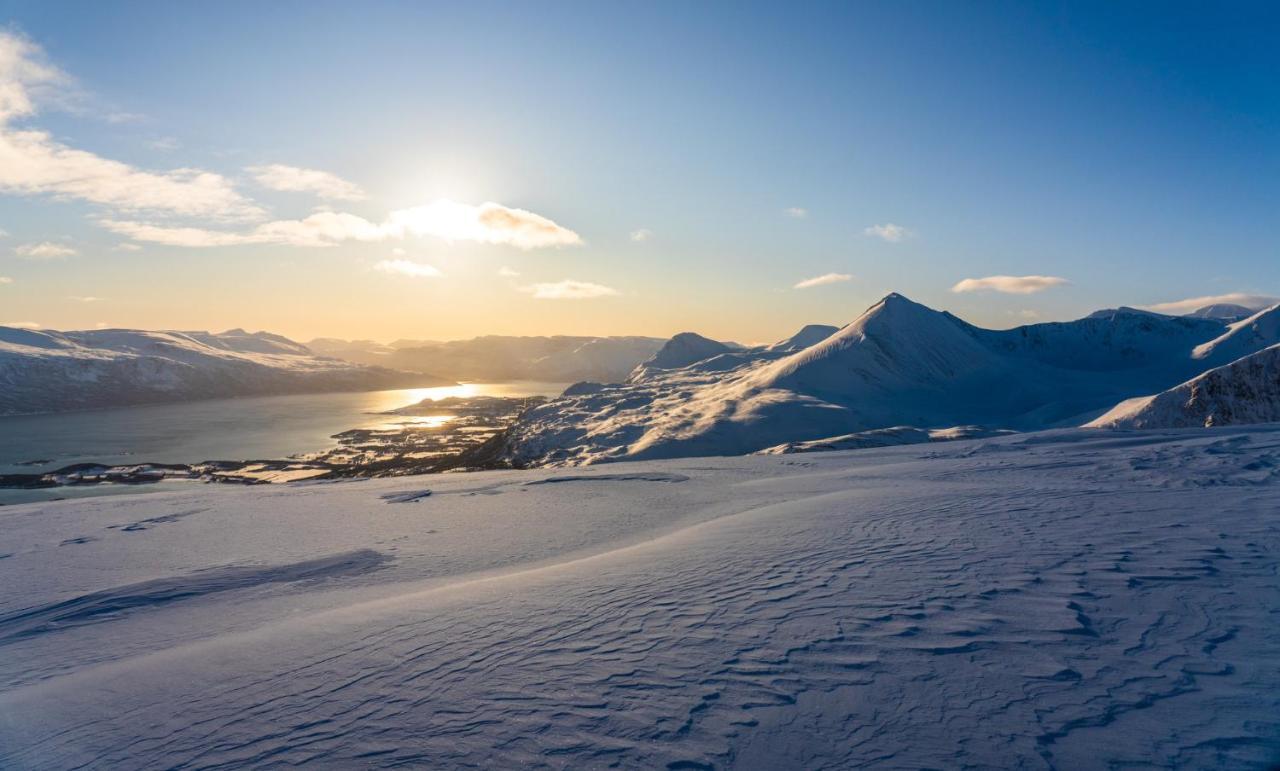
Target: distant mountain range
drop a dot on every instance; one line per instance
(45, 371)
(899, 365)
(502, 358)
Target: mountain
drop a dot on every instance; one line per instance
(1251, 334)
(898, 364)
(1245, 391)
(680, 351)
(1222, 311)
(500, 358)
(357, 351)
(810, 334)
(47, 371)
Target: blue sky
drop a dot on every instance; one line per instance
(1133, 155)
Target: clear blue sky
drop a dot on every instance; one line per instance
(1132, 151)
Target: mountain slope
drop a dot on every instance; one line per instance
(1242, 338)
(1245, 391)
(52, 371)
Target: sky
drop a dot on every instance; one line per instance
(418, 170)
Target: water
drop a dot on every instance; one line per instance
(221, 429)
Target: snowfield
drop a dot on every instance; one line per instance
(1069, 599)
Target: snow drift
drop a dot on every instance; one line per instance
(1072, 599)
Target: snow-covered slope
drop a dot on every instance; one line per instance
(46, 371)
(1245, 391)
(898, 364)
(1242, 338)
(1071, 600)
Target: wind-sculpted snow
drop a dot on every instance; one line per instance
(1244, 391)
(899, 365)
(1070, 599)
(51, 371)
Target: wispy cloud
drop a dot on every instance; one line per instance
(84, 298)
(641, 235)
(1009, 284)
(126, 247)
(1255, 302)
(5, 280)
(407, 268)
(45, 250)
(20, 324)
(825, 278)
(888, 232)
(164, 144)
(569, 290)
(277, 176)
(796, 212)
(489, 223)
(321, 229)
(506, 272)
(32, 162)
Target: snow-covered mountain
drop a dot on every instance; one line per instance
(1241, 338)
(47, 371)
(898, 364)
(1245, 391)
(498, 358)
(1223, 311)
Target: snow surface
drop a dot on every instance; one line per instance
(1068, 599)
(47, 371)
(1244, 391)
(900, 364)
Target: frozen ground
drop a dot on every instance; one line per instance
(1074, 599)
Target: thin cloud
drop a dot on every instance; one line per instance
(407, 268)
(506, 272)
(32, 162)
(318, 230)
(277, 176)
(641, 235)
(84, 298)
(824, 279)
(888, 232)
(126, 247)
(46, 250)
(164, 144)
(1009, 284)
(20, 324)
(796, 212)
(489, 223)
(1254, 302)
(5, 280)
(569, 290)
